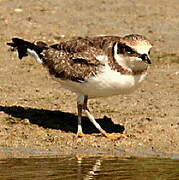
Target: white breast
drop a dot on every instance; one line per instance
(106, 83)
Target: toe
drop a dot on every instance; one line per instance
(116, 136)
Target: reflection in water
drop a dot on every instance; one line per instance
(85, 168)
(92, 172)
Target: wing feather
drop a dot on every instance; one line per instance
(72, 66)
(76, 59)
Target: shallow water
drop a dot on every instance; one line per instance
(81, 167)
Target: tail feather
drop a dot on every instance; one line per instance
(24, 48)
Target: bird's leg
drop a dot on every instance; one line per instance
(79, 131)
(80, 106)
(92, 119)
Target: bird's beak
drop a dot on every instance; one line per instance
(146, 58)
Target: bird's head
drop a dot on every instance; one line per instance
(132, 52)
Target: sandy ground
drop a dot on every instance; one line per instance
(38, 116)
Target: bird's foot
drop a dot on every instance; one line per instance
(81, 134)
(115, 136)
(112, 136)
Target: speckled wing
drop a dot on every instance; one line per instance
(76, 60)
(82, 44)
(76, 66)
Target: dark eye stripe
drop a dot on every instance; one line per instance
(125, 49)
(130, 51)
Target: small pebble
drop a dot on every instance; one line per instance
(26, 121)
(18, 10)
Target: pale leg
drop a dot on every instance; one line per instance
(79, 131)
(82, 105)
(92, 119)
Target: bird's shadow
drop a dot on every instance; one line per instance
(60, 120)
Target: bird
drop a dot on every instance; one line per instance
(92, 67)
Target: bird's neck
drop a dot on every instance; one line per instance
(124, 66)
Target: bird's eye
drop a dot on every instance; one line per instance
(149, 52)
(128, 50)
(124, 49)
